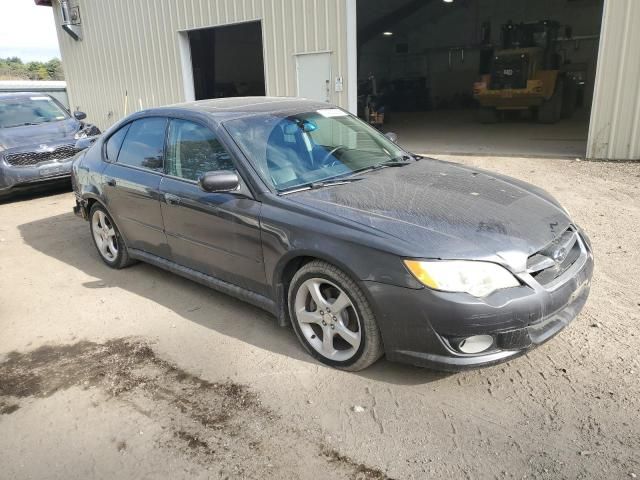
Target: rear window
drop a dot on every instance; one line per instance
(144, 144)
(115, 142)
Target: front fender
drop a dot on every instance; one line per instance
(289, 234)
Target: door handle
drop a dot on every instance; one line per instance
(171, 199)
(111, 182)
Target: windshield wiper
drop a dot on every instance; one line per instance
(333, 183)
(22, 125)
(321, 184)
(392, 163)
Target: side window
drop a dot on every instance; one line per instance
(144, 144)
(115, 142)
(194, 150)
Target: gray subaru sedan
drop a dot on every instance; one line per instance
(365, 249)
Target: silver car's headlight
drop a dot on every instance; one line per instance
(476, 278)
(84, 133)
(87, 131)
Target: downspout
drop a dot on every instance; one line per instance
(70, 20)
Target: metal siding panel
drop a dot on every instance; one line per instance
(133, 47)
(287, 21)
(615, 118)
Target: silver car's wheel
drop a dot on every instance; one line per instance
(104, 235)
(327, 319)
(332, 317)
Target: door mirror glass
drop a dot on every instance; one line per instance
(79, 115)
(392, 136)
(219, 182)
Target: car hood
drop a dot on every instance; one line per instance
(436, 209)
(52, 132)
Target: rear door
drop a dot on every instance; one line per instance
(313, 72)
(132, 183)
(214, 233)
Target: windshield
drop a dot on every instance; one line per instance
(15, 112)
(302, 149)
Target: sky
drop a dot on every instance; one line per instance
(27, 31)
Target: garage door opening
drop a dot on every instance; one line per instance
(227, 61)
(500, 77)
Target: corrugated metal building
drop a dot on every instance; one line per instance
(123, 55)
(140, 48)
(614, 131)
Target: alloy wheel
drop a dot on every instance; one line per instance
(328, 320)
(104, 235)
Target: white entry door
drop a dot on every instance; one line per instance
(314, 76)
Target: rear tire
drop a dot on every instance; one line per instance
(107, 238)
(550, 112)
(570, 98)
(332, 318)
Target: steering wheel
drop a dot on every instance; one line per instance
(324, 162)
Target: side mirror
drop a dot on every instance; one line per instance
(79, 115)
(219, 182)
(392, 136)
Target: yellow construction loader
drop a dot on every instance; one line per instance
(525, 75)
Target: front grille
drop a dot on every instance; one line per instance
(554, 260)
(26, 159)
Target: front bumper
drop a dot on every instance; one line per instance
(417, 325)
(12, 177)
(513, 99)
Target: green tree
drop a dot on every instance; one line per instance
(54, 69)
(12, 68)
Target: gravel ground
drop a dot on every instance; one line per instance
(141, 374)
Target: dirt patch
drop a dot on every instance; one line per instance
(8, 408)
(221, 424)
(362, 472)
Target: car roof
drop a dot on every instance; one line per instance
(12, 95)
(223, 109)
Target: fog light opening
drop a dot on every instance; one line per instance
(475, 344)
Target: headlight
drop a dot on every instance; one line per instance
(81, 134)
(476, 278)
(87, 131)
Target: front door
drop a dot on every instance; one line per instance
(314, 76)
(214, 233)
(131, 183)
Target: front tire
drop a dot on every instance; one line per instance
(332, 318)
(107, 238)
(487, 115)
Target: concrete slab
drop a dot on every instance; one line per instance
(456, 132)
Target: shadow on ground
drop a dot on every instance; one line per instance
(67, 239)
(37, 191)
